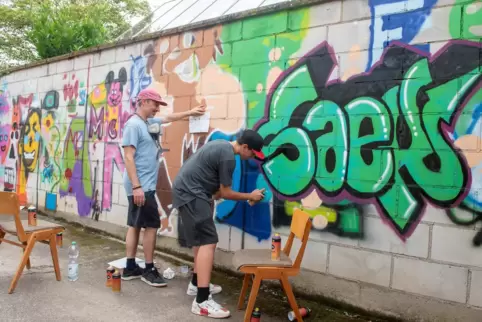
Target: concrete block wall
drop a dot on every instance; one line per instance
(374, 105)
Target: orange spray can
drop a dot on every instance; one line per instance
(116, 282)
(110, 273)
(276, 247)
(32, 216)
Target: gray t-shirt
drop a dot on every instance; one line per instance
(202, 174)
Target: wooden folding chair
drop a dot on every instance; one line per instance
(258, 262)
(45, 232)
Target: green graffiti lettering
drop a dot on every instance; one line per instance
(370, 127)
(387, 143)
(293, 151)
(327, 117)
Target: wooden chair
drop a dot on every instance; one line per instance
(44, 232)
(258, 262)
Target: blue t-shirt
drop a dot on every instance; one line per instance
(136, 134)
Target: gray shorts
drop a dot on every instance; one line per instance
(197, 222)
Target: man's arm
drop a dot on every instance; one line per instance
(130, 139)
(176, 116)
(227, 193)
(226, 169)
(129, 152)
(198, 110)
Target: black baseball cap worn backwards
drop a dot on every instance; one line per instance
(254, 141)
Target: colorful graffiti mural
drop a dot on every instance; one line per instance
(393, 121)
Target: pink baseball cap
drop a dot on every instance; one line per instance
(151, 94)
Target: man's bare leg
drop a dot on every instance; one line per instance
(149, 242)
(194, 275)
(204, 265)
(132, 240)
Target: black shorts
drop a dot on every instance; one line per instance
(197, 222)
(146, 216)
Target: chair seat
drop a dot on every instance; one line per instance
(10, 227)
(259, 258)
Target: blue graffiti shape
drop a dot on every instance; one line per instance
(140, 79)
(47, 173)
(82, 96)
(255, 220)
(396, 20)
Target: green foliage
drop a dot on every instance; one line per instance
(39, 29)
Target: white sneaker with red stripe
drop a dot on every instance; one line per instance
(210, 309)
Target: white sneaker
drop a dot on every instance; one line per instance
(210, 309)
(213, 289)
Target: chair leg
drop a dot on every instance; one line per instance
(291, 297)
(2, 234)
(28, 261)
(24, 261)
(55, 256)
(244, 289)
(252, 297)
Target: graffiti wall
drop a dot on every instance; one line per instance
(371, 114)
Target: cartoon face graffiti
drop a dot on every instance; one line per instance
(4, 141)
(30, 140)
(115, 87)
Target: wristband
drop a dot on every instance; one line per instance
(138, 187)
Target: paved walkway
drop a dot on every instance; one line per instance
(39, 297)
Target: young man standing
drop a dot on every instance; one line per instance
(207, 174)
(141, 156)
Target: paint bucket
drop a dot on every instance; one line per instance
(32, 216)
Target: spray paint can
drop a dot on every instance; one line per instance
(116, 281)
(59, 239)
(304, 312)
(256, 315)
(110, 273)
(276, 247)
(32, 216)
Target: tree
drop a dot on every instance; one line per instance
(39, 29)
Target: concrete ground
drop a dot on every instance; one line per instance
(40, 297)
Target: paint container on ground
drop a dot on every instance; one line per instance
(110, 273)
(184, 270)
(59, 240)
(276, 247)
(116, 281)
(32, 216)
(304, 312)
(256, 315)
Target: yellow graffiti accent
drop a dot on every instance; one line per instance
(326, 212)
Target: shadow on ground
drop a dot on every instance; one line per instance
(45, 299)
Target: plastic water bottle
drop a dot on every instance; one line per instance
(73, 262)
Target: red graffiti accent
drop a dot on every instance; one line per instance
(68, 174)
(25, 101)
(71, 92)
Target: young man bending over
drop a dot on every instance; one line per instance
(206, 173)
(141, 157)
